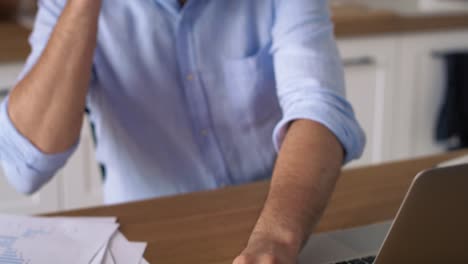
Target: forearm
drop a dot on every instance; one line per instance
(47, 105)
(307, 169)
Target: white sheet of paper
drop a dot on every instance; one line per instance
(124, 251)
(116, 249)
(119, 249)
(62, 240)
(108, 258)
(106, 219)
(99, 258)
(127, 252)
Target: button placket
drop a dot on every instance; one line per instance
(198, 105)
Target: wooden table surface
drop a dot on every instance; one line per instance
(212, 227)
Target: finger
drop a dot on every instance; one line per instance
(242, 259)
(260, 259)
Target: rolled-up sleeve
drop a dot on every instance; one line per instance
(25, 166)
(309, 73)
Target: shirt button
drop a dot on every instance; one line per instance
(190, 77)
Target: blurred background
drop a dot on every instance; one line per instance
(406, 66)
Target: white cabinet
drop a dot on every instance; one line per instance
(81, 177)
(46, 200)
(396, 86)
(421, 89)
(9, 73)
(370, 75)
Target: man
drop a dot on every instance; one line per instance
(184, 97)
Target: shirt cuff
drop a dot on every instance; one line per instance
(341, 123)
(17, 150)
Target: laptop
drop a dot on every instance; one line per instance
(431, 227)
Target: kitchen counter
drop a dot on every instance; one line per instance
(356, 21)
(351, 20)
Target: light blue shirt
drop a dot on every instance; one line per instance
(195, 98)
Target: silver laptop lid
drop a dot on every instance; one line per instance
(432, 223)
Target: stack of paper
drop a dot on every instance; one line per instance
(61, 240)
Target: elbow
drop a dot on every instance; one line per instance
(27, 188)
(25, 179)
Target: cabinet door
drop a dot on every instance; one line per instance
(81, 177)
(47, 199)
(11, 202)
(9, 73)
(369, 71)
(422, 88)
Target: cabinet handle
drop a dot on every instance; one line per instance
(359, 62)
(441, 54)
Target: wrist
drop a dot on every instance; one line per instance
(287, 238)
(265, 248)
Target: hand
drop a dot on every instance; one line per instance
(263, 249)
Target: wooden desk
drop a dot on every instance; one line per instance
(212, 227)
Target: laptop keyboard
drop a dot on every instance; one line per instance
(366, 260)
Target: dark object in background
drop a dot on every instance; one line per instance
(18, 10)
(452, 125)
(8, 9)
